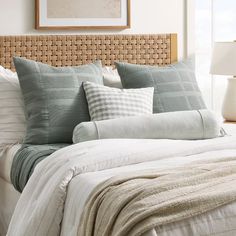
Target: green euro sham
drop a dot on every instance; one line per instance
(54, 98)
(175, 86)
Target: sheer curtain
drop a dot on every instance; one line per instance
(215, 20)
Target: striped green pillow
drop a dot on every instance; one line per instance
(54, 99)
(176, 88)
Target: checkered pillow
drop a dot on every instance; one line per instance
(109, 103)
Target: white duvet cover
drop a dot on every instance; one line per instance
(7, 154)
(53, 200)
(8, 199)
(8, 195)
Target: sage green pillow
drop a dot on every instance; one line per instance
(175, 86)
(54, 99)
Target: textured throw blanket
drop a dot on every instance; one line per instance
(134, 203)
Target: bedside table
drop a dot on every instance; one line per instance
(230, 127)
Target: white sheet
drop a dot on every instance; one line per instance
(71, 173)
(6, 157)
(8, 195)
(230, 128)
(8, 199)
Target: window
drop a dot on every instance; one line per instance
(215, 21)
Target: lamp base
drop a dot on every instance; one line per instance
(229, 103)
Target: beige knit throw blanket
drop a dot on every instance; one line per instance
(133, 203)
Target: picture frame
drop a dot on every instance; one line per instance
(106, 14)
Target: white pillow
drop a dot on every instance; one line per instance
(12, 116)
(111, 77)
(180, 125)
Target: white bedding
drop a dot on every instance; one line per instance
(68, 176)
(222, 219)
(6, 158)
(8, 199)
(8, 195)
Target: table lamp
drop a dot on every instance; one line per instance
(224, 63)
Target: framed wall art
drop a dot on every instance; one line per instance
(82, 14)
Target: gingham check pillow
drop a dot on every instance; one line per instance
(109, 103)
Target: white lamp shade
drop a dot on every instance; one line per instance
(224, 59)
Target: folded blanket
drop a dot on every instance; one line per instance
(134, 203)
(185, 125)
(26, 160)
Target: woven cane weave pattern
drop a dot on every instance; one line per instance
(71, 50)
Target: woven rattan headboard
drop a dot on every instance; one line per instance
(71, 50)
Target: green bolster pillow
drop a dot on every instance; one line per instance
(182, 125)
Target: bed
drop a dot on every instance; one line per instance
(56, 195)
(218, 221)
(52, 49)
(8, 195)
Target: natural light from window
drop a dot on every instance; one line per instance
(215, 21)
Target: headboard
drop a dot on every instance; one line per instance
(71, 50)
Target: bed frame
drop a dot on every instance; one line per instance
(72, 50)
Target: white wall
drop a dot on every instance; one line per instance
(190, 27)
(147, 16)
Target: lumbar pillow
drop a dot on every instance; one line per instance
(12, 115)
(109, 103)
(54, 99)
(185, 125)
(176, 88)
